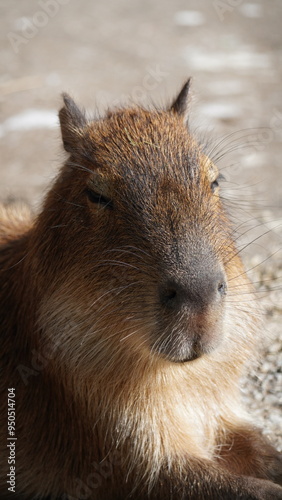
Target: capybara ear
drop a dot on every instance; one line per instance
(72, 121)
(181, 103)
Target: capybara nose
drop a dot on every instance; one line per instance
(204, 288)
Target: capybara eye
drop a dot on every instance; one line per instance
(98, 199)
(214, 185)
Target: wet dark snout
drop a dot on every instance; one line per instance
(191, 305)
(204, 286)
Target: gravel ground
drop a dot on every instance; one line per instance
(111, 51)
(262, 388)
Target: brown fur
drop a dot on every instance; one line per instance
(125, 366)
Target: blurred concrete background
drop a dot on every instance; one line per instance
(112, 52)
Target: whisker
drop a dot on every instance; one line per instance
(249, 243)
(254, 267)
(225, 138)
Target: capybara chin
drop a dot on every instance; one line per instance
(125, 326)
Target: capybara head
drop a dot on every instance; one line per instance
(137, 237)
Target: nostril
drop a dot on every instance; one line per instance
(222, 288)
(168, 295)
(171, 294)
